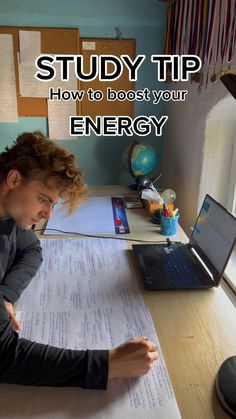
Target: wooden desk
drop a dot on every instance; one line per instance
(196, 329)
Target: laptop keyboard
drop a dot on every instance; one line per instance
(177, 269)
(173, 267)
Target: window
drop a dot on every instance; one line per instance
(231, 201)
(219, 166)
(230, 273)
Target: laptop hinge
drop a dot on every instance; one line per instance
(202, 263)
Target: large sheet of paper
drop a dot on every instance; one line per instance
(8, 104)
(95, 216)
(85, 296)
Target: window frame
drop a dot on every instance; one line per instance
(231, 198)
(231, 206)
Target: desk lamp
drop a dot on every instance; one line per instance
(141, 182)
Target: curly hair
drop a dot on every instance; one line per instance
(37, 158)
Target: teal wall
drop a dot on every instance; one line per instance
(100, 158)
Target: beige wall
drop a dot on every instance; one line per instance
(196, 131)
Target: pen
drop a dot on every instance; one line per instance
(167, 212)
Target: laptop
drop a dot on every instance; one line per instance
(197, 264)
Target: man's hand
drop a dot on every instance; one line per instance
(12, 315)
(132, 358)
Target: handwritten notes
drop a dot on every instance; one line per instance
(85, 296)
(8, 105)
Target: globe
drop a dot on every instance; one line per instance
(140, 158)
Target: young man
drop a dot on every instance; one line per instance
(34, 174)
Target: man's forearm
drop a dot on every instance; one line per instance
(29, 363)
(20, 258)
(20, 273)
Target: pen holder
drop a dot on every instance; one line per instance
(169, 225)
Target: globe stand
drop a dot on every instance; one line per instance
(134, 187)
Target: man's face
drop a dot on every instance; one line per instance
(30, 202)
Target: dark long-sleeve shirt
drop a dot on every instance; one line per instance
(26, 362)
(20, 258)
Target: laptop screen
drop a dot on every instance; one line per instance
(214, 233)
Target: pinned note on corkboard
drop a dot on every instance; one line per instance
(53, 41)
(113, 47)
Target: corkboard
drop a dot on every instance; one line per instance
(114, 47)
(53, 41)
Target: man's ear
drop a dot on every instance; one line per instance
(13, 178)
